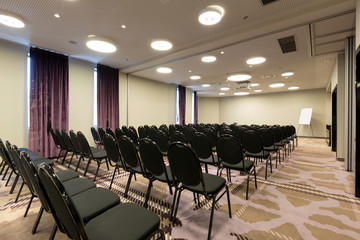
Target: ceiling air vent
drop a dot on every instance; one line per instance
(265, 2)
(287, 44)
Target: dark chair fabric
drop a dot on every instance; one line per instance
(202, 146)
(185, 167)
(68, 144)
(110, 132)
(101, 133)
(142, 132)
(56, 141)
(119, 133)
(269, 142)
(62, 143)
(178, 136)
(161, 140)
(96, 136)
(231, 156)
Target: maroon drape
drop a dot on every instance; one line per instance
(49, 99)
(107, 96)
(196, 109)
(182, 104)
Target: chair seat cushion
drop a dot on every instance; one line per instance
(94, 202)
(94, 149)
(162, 177)
(239, 166)
(65, 175)
(42, 160)
(126, 221)
(213, 184)
(99, 154)
(272, 148)
(210, 160)
(78, 185)
(262, 154)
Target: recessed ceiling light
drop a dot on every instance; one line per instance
(277, 85)
(241, 93)
(11, 20)
(211, 15)
(254, 84)
(255, 60)
(206, 85)
(189, 70)
(287, 74)
(56, 15)
(224, 89)
(161, 44)
(222, 52)
(293, 87)
(239, 77)
(195, 77)
(101, 44)
(221, 93)
(258, 90)
(164, 70)
(123, 26)
(208, 59)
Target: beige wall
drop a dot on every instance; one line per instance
(277, 108)
(81, 97)
(150, 102)
(188, 106)
(340, 145)
(13, 95)
(208, 109)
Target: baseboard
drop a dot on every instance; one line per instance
(312, 137)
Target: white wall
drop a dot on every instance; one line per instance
(276, 108)
(188, 106)
(150, 102)
(208, 109)
(81, 97)
(13, 95)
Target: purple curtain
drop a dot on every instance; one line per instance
(182, 104)
(107, 96)
(196, 109)
(49, 99)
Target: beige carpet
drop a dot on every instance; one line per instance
(309, 196)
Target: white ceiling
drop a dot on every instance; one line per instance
(247, 29)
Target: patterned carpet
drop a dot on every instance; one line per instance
(309, 196)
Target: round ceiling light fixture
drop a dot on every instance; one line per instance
(258, 90)
(224, 89)
(11, 20)
(100, 44)
(164, 70)
(239, 77)
(254, 84)
(287, 74)
(221, 93)
(277, 85)
(195, 77)
(255, 60)
(208, 59)
(241, 93)
(293, 88)
(206, 85)
(161, 44)
(211, 15)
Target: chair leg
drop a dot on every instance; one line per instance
(173, 204)
(247, 186)
(228, 198)
(195, 199)
(211, 217)
(266, 166)
(53, 232)
(27, 209)
(177, 204)
(147, 196)
(14, 184)
(18, 195)
(270, 164)
(7, 182)
(57, 159)
(206, 168)
(107, 164)
(78, 164)
(3, 167)
(170, 190)
(97, 170)
(72, 155)
(6, 171)
(62, 162)
(112, 179)
(37, 221)
(87, 166)
(128, 184)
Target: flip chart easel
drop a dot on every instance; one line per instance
(305, 119)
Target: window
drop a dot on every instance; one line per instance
(28, 60)
(95, 97)
(177, 117)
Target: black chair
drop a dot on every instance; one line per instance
(119, 133)
(62, 144)
(132, 135)
(164, 128)
(278, 140)
(136, 222)
(96, 136)
(68, 144)
(56, 141)
(211, 134)
(172, 129)
(110, 132)
(142, 132)
(254, 147)
(202, 146)
(75, 144)
(101, 133)
(161, 139)
(112, 151)
(153, 162)
(185, 167)
(124, 128)
(87, 152)
(231, 156)
(178, 136)
(5, 155)
(269, 143)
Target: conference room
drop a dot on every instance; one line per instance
(171, 70)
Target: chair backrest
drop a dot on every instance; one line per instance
(110, 132)
(134, 131)
(172, 129)
(128, 152)
(101, 133)
(161, 139)
(67, 140)
(184, 164)
(151, 133)
(54, 137)
(60, 138)
(95, 135)
(142, 132)
(124, 128)
(252, 142)
(229, 149)
(75, 141)
(151, 157)
(178, 136)
(267, 136)
(189, 132)
(211, 134)
(119, 133)
(60, 203)
(112, 149)
(201, 145)
(6, 156)
(277, 134)
(164, 128)
(132, 135)
(84, 145)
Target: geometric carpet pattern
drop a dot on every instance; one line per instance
(308, 196)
